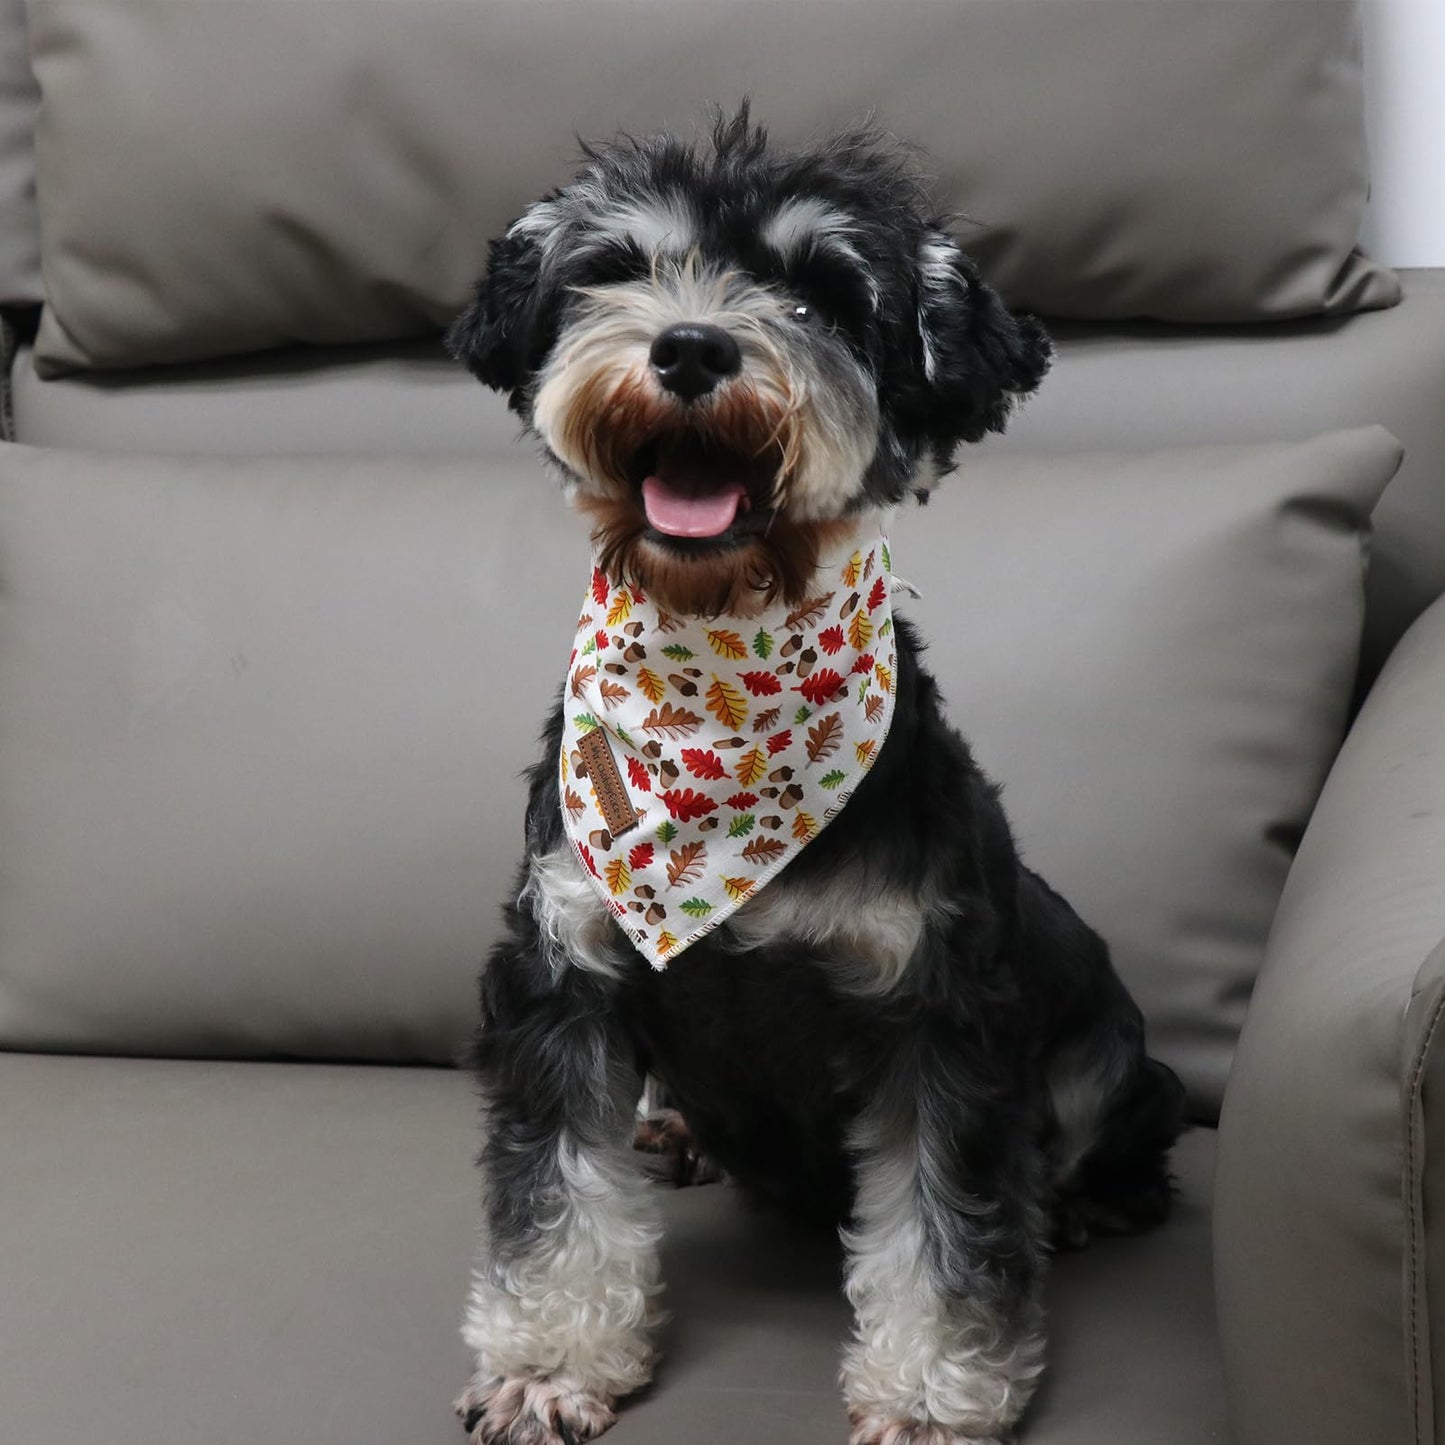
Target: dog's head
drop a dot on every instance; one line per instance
(732, 352)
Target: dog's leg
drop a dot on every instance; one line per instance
(565, 1287)
(944, 1264)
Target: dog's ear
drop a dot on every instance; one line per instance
(495, 335)
(977, 356)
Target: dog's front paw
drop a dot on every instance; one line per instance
(670, 1153)
(869, 1428)
(532, 1410)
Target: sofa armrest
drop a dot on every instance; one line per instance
(1330, 1194)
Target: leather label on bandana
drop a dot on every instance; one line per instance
(701, 755)
(611, 791)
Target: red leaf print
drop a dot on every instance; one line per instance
(638, 774)
(831, 639)
(762, 684)
(703, 763)
(864, 663)
(876, 596)
(779, 741)
(640, 856)
(586, 853)
(822, 685)
(600, 588)
(601, 639)
(740, 800)
(685, 805)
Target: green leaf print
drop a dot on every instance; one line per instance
(696, 907)
(831, 780)
(763, 643)
(802, 715)
(742, 825)
(586, 722)
(677, 652)
(666, 832)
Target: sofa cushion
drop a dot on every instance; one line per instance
(1113, 386)
(257, 1252)
(321, 171)
(19, 225)
(257, 794)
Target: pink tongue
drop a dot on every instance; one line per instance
(687, 513)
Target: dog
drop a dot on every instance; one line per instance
(779, 885)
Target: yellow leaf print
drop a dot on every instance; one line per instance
(621, 608)
(651, 684)
(619, 880)
(865, 751)
(804, 826)
(738, 888)
(751, 766)
(884, 676)
(853, 570)
(665, 942)
(726, 703)
(727, 644)
(860, 630)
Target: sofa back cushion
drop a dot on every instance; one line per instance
(19, 225)
(219, 178)
(263, 722)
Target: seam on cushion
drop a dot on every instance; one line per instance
(9, 342)
(1411, 1214)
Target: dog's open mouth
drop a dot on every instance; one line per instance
(695, 488)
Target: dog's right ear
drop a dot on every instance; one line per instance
(496, 335)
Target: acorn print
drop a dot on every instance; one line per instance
(806, 661)
(685, 685)
(635, 653)
(600, 839)
(781, 775)
(791, 645)
(656, 913)
(792, 795)
(771, 821)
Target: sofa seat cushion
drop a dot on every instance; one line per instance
(240, 1253)
(1113, 387)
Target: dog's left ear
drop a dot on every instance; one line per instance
(977, 356)
(496, 335)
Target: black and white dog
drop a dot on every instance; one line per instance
(738, 360)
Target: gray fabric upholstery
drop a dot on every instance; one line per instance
(262, 722)
(1327, 1227)
(1113, 387)
(315, 170)
(247, 1253)
(19, 225)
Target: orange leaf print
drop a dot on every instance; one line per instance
(580, 678)
(825, 737)
(665, 943)
(726, 703)
(860, 630)
(738, 888)
(573, 803)
(806, 613)
(884, 676)
(804, 826)
(873, 706)
(727, 644)
(671, 722)
(764, 850)
(612, 693)
(619, 880)
(651, 684)
(866, 750)
(621, 608)
(853, 570)
(685, 864)
(751, 766)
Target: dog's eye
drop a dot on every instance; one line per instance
(803, 313)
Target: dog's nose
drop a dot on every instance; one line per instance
(690, 358)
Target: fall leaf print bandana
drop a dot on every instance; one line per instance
(701, 755)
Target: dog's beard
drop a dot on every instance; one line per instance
(625, 438)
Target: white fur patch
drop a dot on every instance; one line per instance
(580, 1302)
(576, 928)
(916, 1355)
(807, 222)
(937, 275)
(868, 934)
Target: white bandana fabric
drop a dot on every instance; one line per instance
(701, 755)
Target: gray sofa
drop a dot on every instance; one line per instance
(282, 598)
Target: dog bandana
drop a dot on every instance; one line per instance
(701, 755)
